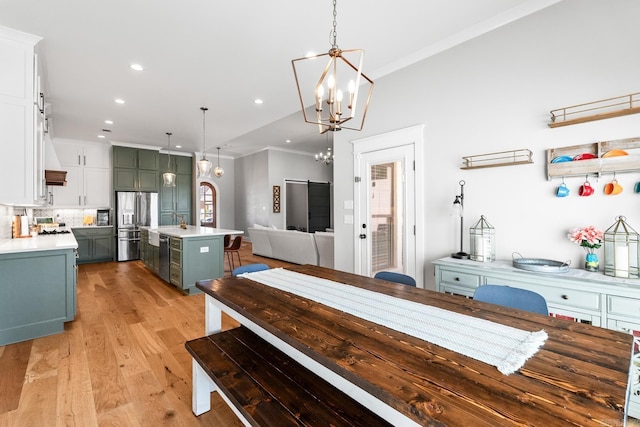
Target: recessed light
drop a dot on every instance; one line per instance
(287, 141)
(119, 101)
(258, 101)
(178, 146)
(101, 136)
(109, 122)
(136, 67)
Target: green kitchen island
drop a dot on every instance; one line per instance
(182, 256)
(37, 286)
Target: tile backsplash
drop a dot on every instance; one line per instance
(70, 217)
(6, 216)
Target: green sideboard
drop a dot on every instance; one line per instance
(38, 293)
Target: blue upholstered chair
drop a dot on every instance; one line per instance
(250, 268)
(512, 297)
(390, 276)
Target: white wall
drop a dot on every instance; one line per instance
(256, 174)
(252, 195)
(493, 94)
(285, 165)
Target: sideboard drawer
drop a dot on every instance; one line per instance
(623, 306)
(566, 297)
(460, 278)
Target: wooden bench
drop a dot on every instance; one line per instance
(265, 387)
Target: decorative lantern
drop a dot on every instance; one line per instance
(482, 236)
(621, 250)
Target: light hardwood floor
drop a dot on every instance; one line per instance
(121, 362)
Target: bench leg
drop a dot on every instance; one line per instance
(202, 388)
(212, 317)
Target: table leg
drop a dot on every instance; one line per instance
(202, 386)
(212, 316)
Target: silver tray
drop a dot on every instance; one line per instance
(541, 265)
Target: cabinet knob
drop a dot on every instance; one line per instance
(457, 279)
(565, 296)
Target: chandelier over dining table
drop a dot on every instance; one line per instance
(335, 92)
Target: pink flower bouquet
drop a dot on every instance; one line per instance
(589, 237)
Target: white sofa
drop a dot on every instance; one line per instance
(260, 241)
(324, 243)
(292, 246)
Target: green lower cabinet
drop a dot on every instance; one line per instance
(195, 258)
(38, 294)
(144, 246)
(94, 244)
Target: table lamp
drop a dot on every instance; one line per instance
(458, 209)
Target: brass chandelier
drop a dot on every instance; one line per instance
(333, 98)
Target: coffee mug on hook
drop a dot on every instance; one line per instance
(612, 188)
(585, 189)
(562, 190)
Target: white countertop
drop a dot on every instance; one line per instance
(191, 231)
(38, 243)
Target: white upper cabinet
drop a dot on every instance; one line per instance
(88, 167)
(20, 142)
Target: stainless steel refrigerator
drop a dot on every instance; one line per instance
(135, 209)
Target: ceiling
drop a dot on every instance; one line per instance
(223, 55)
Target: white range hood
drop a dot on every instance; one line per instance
(53, 173)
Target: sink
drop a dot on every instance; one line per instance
(154, 238)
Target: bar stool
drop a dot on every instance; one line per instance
(233, 248)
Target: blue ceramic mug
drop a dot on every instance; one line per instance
(563, 190)
(637, 187)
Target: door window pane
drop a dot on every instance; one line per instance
(207, 205)
(385, 206)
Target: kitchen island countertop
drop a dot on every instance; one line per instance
(191, 231)
(38, 243)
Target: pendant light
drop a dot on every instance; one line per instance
(218, 171)
(326, 85)
(169, 178)
(204, 165)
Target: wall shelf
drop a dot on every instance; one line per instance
(502, 158)
(601, 163)
(596, 110)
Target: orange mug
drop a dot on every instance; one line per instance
(585, 189)
(612, 188)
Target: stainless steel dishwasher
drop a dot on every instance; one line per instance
(164, 258)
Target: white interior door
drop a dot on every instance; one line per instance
(387, 205)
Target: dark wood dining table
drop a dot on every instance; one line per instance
(579, 377)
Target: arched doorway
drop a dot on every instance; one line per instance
(207, 205)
